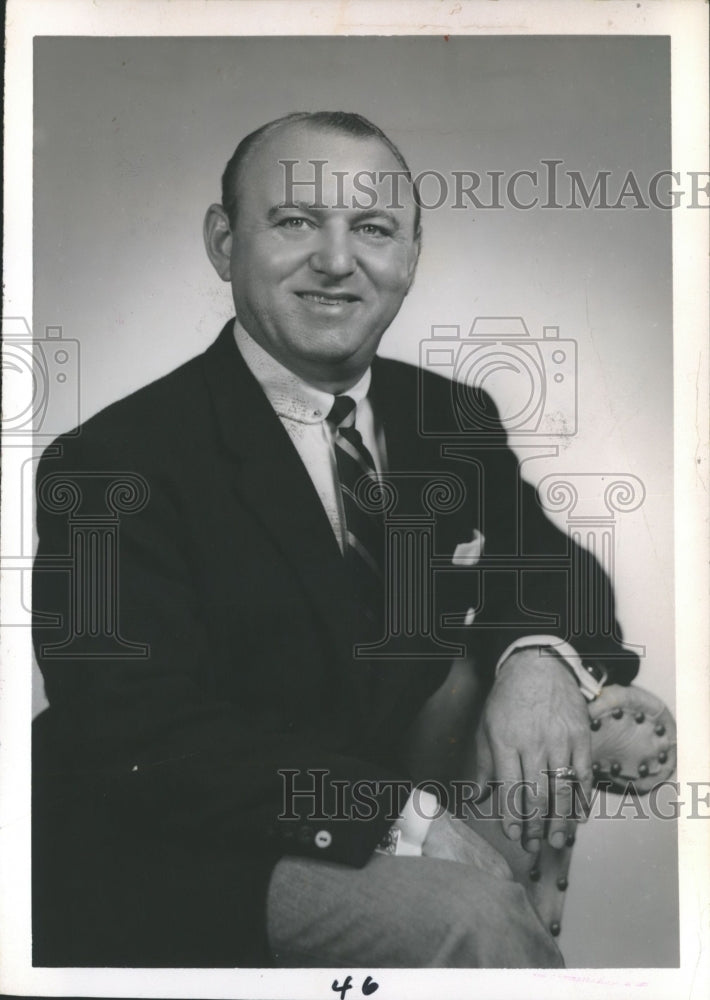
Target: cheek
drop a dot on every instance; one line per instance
(392, 276)
(391, 271)
(262, 264)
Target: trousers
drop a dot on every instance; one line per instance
(402, 912)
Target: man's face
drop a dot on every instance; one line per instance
(318, 286)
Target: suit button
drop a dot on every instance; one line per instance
(323, 839)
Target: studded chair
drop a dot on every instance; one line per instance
(633, 750)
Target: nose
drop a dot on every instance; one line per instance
(333, 255)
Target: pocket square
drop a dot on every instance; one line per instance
(468, 553)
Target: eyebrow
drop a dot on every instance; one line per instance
(362, 214)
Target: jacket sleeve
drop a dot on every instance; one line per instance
(533, 578)
(140, 727)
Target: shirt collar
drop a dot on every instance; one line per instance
(289, 395)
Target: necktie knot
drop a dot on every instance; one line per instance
(342, 412)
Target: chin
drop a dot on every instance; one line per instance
(342, 350)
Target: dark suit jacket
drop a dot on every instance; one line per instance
(157, 791)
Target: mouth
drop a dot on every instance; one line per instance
(330, 300)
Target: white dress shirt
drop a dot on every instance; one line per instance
(303, 409)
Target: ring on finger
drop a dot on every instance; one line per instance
(562, 773)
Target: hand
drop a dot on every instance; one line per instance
(452, 839)
(535, 720)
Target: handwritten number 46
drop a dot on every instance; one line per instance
(368, 987)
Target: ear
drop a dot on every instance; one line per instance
(218, 240)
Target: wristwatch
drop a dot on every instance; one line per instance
(590, 676)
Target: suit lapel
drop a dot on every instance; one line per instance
(272, 481)
(394, 399)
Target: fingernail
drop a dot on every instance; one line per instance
(532, 846)
(558, 839)
(514, 831)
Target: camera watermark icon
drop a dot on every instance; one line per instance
(40, 380)
(533, 381)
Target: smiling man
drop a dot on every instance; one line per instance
(316, 283)
(228, 779)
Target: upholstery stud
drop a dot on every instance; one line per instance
(662, 757)
(615, 769)
(617, 713)
(595, 724)
(643, 770)
(639, 717)
(562, 883)
(660, 729)
(554, 928)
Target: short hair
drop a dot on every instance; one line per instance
(344, 122)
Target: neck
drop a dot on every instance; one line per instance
(331, 383)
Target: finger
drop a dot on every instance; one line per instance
(582, 764)
(483, 773)
(561, 801)
(506, 762)
(536, 802)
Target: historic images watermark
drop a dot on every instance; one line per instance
(42, 400)
(549, 185)
(335, 799)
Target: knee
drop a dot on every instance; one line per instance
(501, 931)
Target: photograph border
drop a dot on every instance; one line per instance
(685, 22)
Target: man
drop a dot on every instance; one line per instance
(180, 814)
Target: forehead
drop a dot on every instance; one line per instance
(281, 170)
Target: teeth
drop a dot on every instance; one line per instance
(329, 301)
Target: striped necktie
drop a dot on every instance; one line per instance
(364, 524)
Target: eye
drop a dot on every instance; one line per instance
(372, 229)
(295, 223)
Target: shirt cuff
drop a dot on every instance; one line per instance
(409, 832)
(590, 682)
